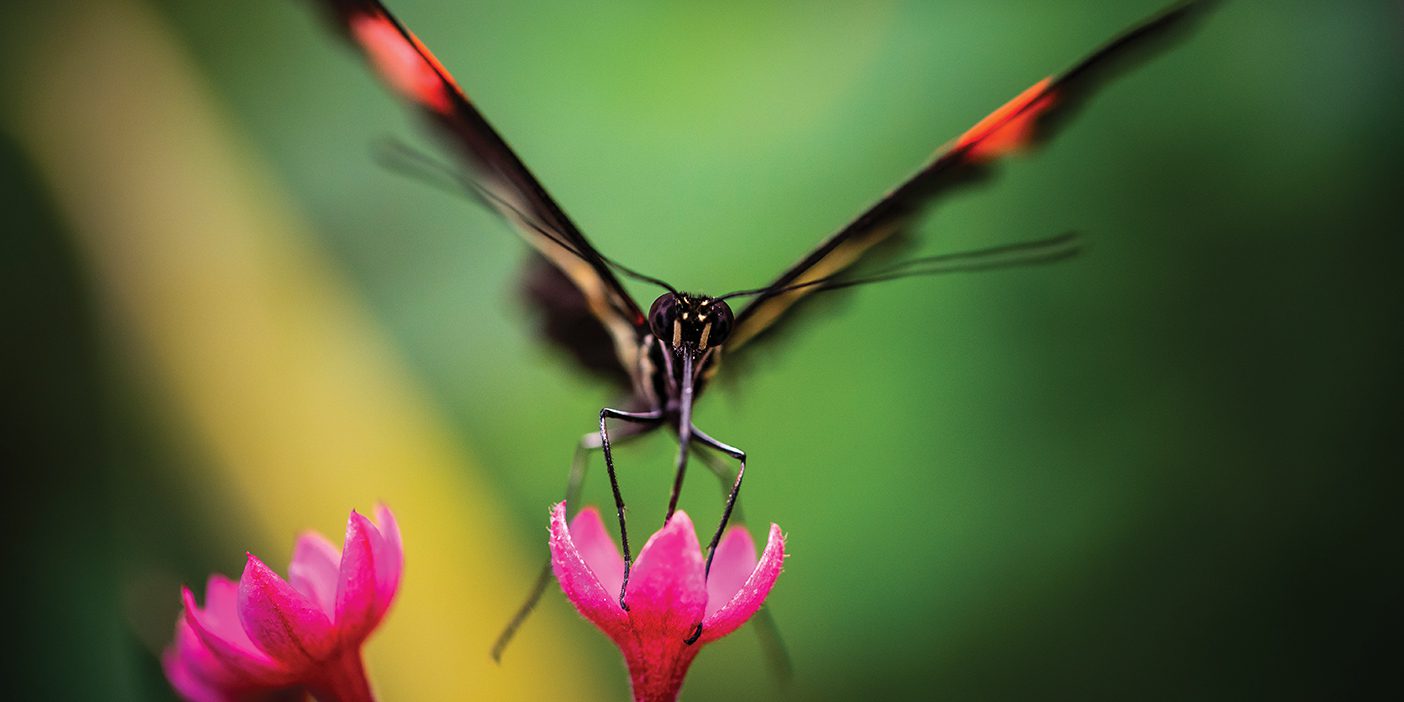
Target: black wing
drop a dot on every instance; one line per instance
(1019, 123)
(502, 181)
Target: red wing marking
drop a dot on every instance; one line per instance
(406, 64)
(1009, 128)
(412, 72)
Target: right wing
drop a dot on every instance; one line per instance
(500, 177)
(1017, 124)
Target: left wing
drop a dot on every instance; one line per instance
(499, 176)
(1019, 123)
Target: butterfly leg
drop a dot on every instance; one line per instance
(707, 441)
(579, 462)
(735, 492)
(509, 632)
(651, 418)
(777, 654)
(725, 477)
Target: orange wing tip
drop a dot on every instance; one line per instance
(405, 64)
(1011, 127)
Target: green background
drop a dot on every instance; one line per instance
(1157, 470)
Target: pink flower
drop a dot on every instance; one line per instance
(266, 638)
(669, 593)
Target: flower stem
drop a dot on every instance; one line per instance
(343, 679)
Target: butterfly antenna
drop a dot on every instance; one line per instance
(1032, 251)
(407, 160)
(637, 275)
(1024, 253)
(401, 158)
(553, 236)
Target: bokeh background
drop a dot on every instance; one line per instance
(1158, 470)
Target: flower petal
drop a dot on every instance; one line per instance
(592, 539)
(280, 620)
(667, 591)
(389, 560)
(357, 583)
(221, 612)
(218, 628)
(199, 676)
(314, 570)
(186, 681)
(580, 584)
(191, 660)
(733, 562)
(752, 594)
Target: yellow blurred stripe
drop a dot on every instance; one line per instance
(261, 347)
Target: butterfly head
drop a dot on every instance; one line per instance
(696, 322)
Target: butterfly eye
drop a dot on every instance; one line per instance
(662, 315)
(719, 316)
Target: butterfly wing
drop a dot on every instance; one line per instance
(1021, 122)
(502, 181)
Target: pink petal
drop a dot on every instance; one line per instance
(189, 659)
(221, 612)
(752, 594)
(592, 539)
(667, 595)
(581, 586)
(188, 665)
(218, 628)
(280, 620)
(357, 583)
(732, 563)
(188, 683)
(314, 570)
(667, 592)
(389, 560)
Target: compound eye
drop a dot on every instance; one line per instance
(662, 314)
(719, 315)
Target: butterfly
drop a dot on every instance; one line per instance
(666, 356)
